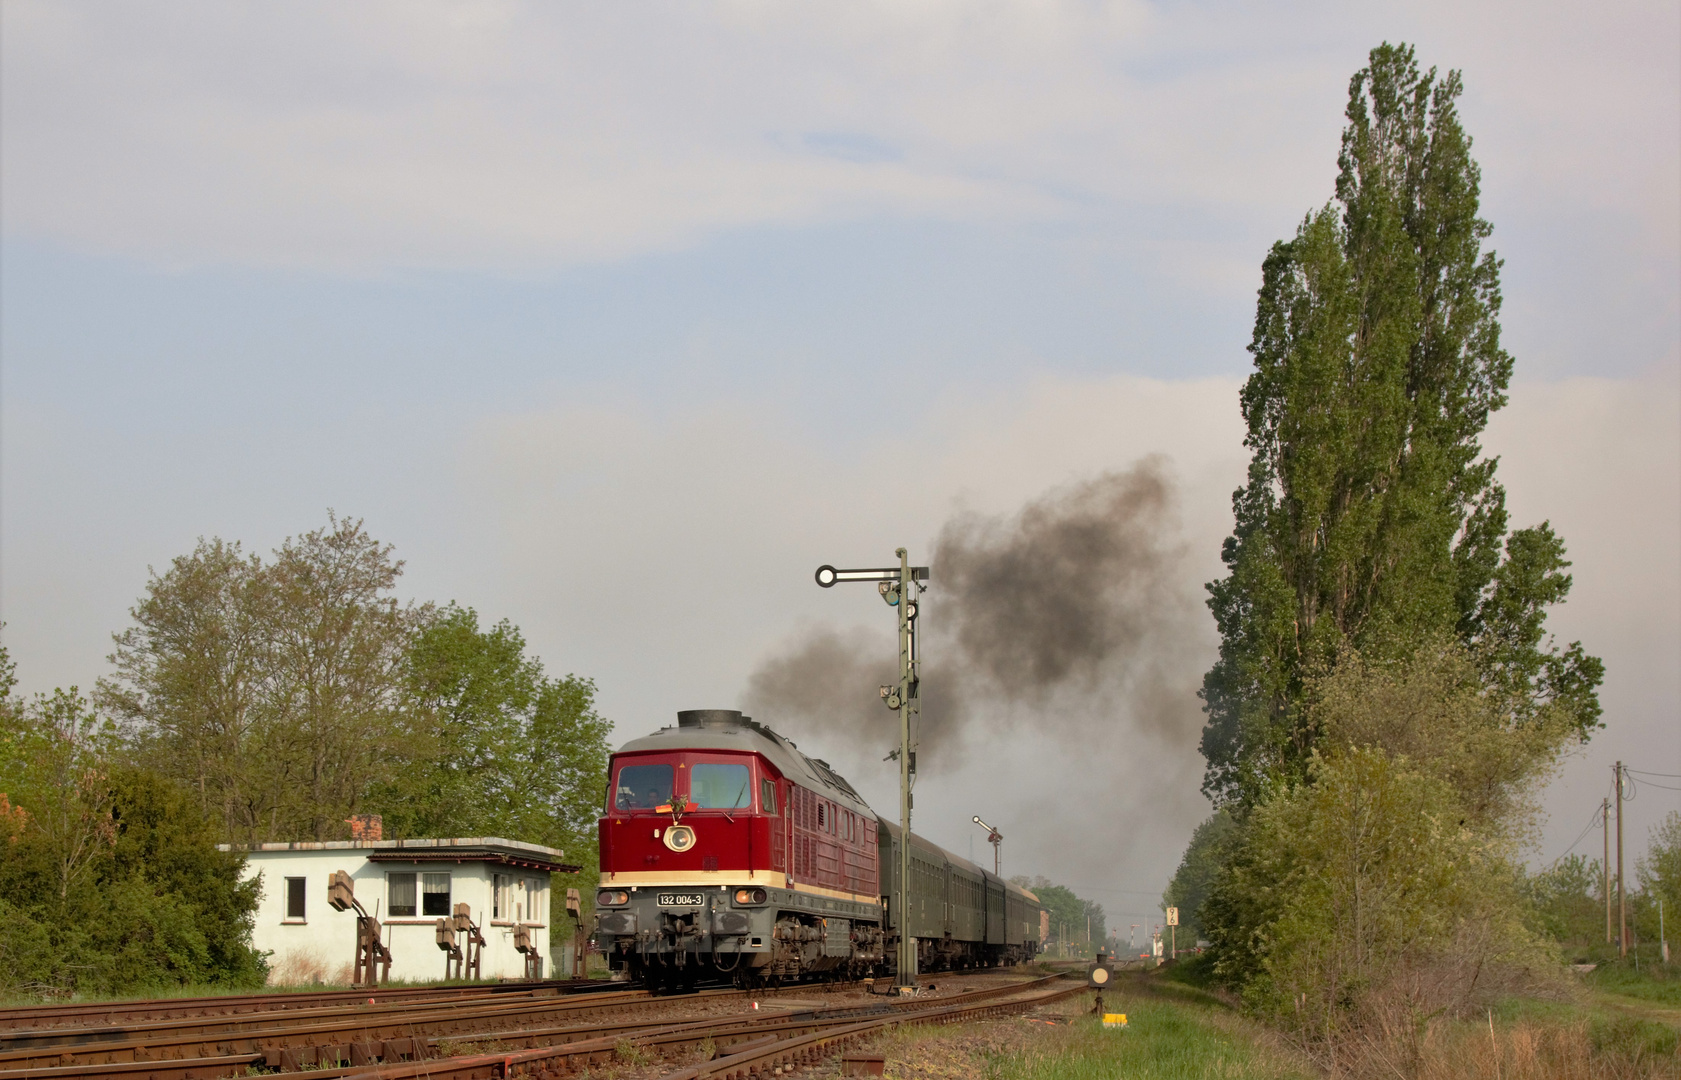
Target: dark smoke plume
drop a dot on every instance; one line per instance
(1073, 618)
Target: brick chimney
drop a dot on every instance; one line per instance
(365, 827)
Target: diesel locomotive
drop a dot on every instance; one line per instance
(726, 853)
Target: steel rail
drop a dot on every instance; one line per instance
(760, 1060)
(229, 1023)
(339, 1025)
(360, 1032)
(117, 1012)
(634, 1030)
(413, 1033)
(775, 1038)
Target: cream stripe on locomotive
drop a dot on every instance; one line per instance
(728, 877)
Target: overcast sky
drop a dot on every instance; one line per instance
(619, 319)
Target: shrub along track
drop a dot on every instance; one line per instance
(350, 1035)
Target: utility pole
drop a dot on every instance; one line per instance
(899, 587)
(1605, 864)
(1622, 895)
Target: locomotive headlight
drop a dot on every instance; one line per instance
(679, 838)
(611, 898)
(750, 896)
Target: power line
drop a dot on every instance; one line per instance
(1665, 775)
(1589, 828)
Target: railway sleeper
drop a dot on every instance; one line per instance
(289, 1059)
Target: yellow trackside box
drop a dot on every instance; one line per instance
(1115, 1020)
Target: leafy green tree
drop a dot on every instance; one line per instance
(192, 681)
(1659, 874)
(271, 690)
(1569, 901)
(1369, 515)
(1069, 915)
(495, 747)
(1203, 857)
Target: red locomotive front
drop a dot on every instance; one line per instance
(691, 818)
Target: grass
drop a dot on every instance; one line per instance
(1658, 983)
(1623, 1025)
(1175, 1031)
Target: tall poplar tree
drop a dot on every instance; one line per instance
(1370, 516)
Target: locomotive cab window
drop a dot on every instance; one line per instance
(767, 795)
(718, 785)
(642, 787)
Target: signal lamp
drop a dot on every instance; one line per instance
(612, 897)
(750, 896)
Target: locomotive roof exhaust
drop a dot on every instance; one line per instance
(709, 717)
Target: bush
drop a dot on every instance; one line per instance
(1383, 892)
(111, 879)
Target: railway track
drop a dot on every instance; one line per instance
(113, 1013)
(759, 1058)
(257, 1037)
(345, 1039)
(744, 1047)
(207, 1026)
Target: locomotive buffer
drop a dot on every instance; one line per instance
(899, 586)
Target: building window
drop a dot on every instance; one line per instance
(399, 895)
(500, 887)
(295, 898)
(767, 795)
(434, 899)
(533, 900)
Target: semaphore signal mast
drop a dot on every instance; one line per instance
(899, 586)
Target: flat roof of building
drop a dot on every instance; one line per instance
(494, 849)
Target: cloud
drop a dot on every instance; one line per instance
(517, 136)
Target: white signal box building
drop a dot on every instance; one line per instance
(408, 885)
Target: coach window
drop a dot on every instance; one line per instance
(767, 795)
(294, 899)
(642, 787)
(399, 895)
(434, 900)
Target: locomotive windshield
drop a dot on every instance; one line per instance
(715, 785)
(642, 787)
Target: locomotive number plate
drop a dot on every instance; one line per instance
(681, 899)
